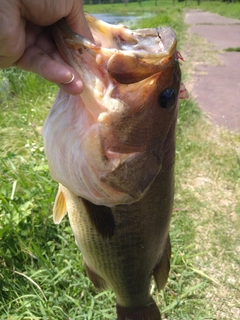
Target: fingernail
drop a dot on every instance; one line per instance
(70, 81)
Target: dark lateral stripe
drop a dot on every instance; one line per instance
(101, 218)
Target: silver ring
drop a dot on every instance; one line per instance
(70, 81)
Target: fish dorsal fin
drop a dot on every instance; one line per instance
(60, 207)
(183, 93)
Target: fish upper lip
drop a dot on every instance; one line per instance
(165, 42)
(128, 55)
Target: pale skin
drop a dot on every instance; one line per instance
(25, 41)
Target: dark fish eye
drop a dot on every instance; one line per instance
(167, 98)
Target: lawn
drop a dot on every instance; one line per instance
(41, 270)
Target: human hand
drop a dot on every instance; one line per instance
(26, 42)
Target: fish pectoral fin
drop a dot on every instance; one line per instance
(161, 271)
(60, 207)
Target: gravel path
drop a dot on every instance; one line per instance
(217, 88)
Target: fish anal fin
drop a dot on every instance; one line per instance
(148, 312)
(60, 207)
(101, 218)
(98, 281)
(161, 271)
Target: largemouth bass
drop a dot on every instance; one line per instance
(112, 151)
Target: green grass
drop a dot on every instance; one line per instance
(227, 9)
(133, 8)
(41, 270)
(237, 49)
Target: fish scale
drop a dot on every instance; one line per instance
(126, 266)
(114, 160)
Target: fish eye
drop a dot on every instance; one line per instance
(167, 98)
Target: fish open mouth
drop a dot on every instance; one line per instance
(130, 55)
(106, 145)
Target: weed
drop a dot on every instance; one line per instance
(237, 49)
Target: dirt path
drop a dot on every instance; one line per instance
(213, 79)
(216, 83)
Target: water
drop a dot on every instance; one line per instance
(114, 19)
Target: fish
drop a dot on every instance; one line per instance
(112, 150)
